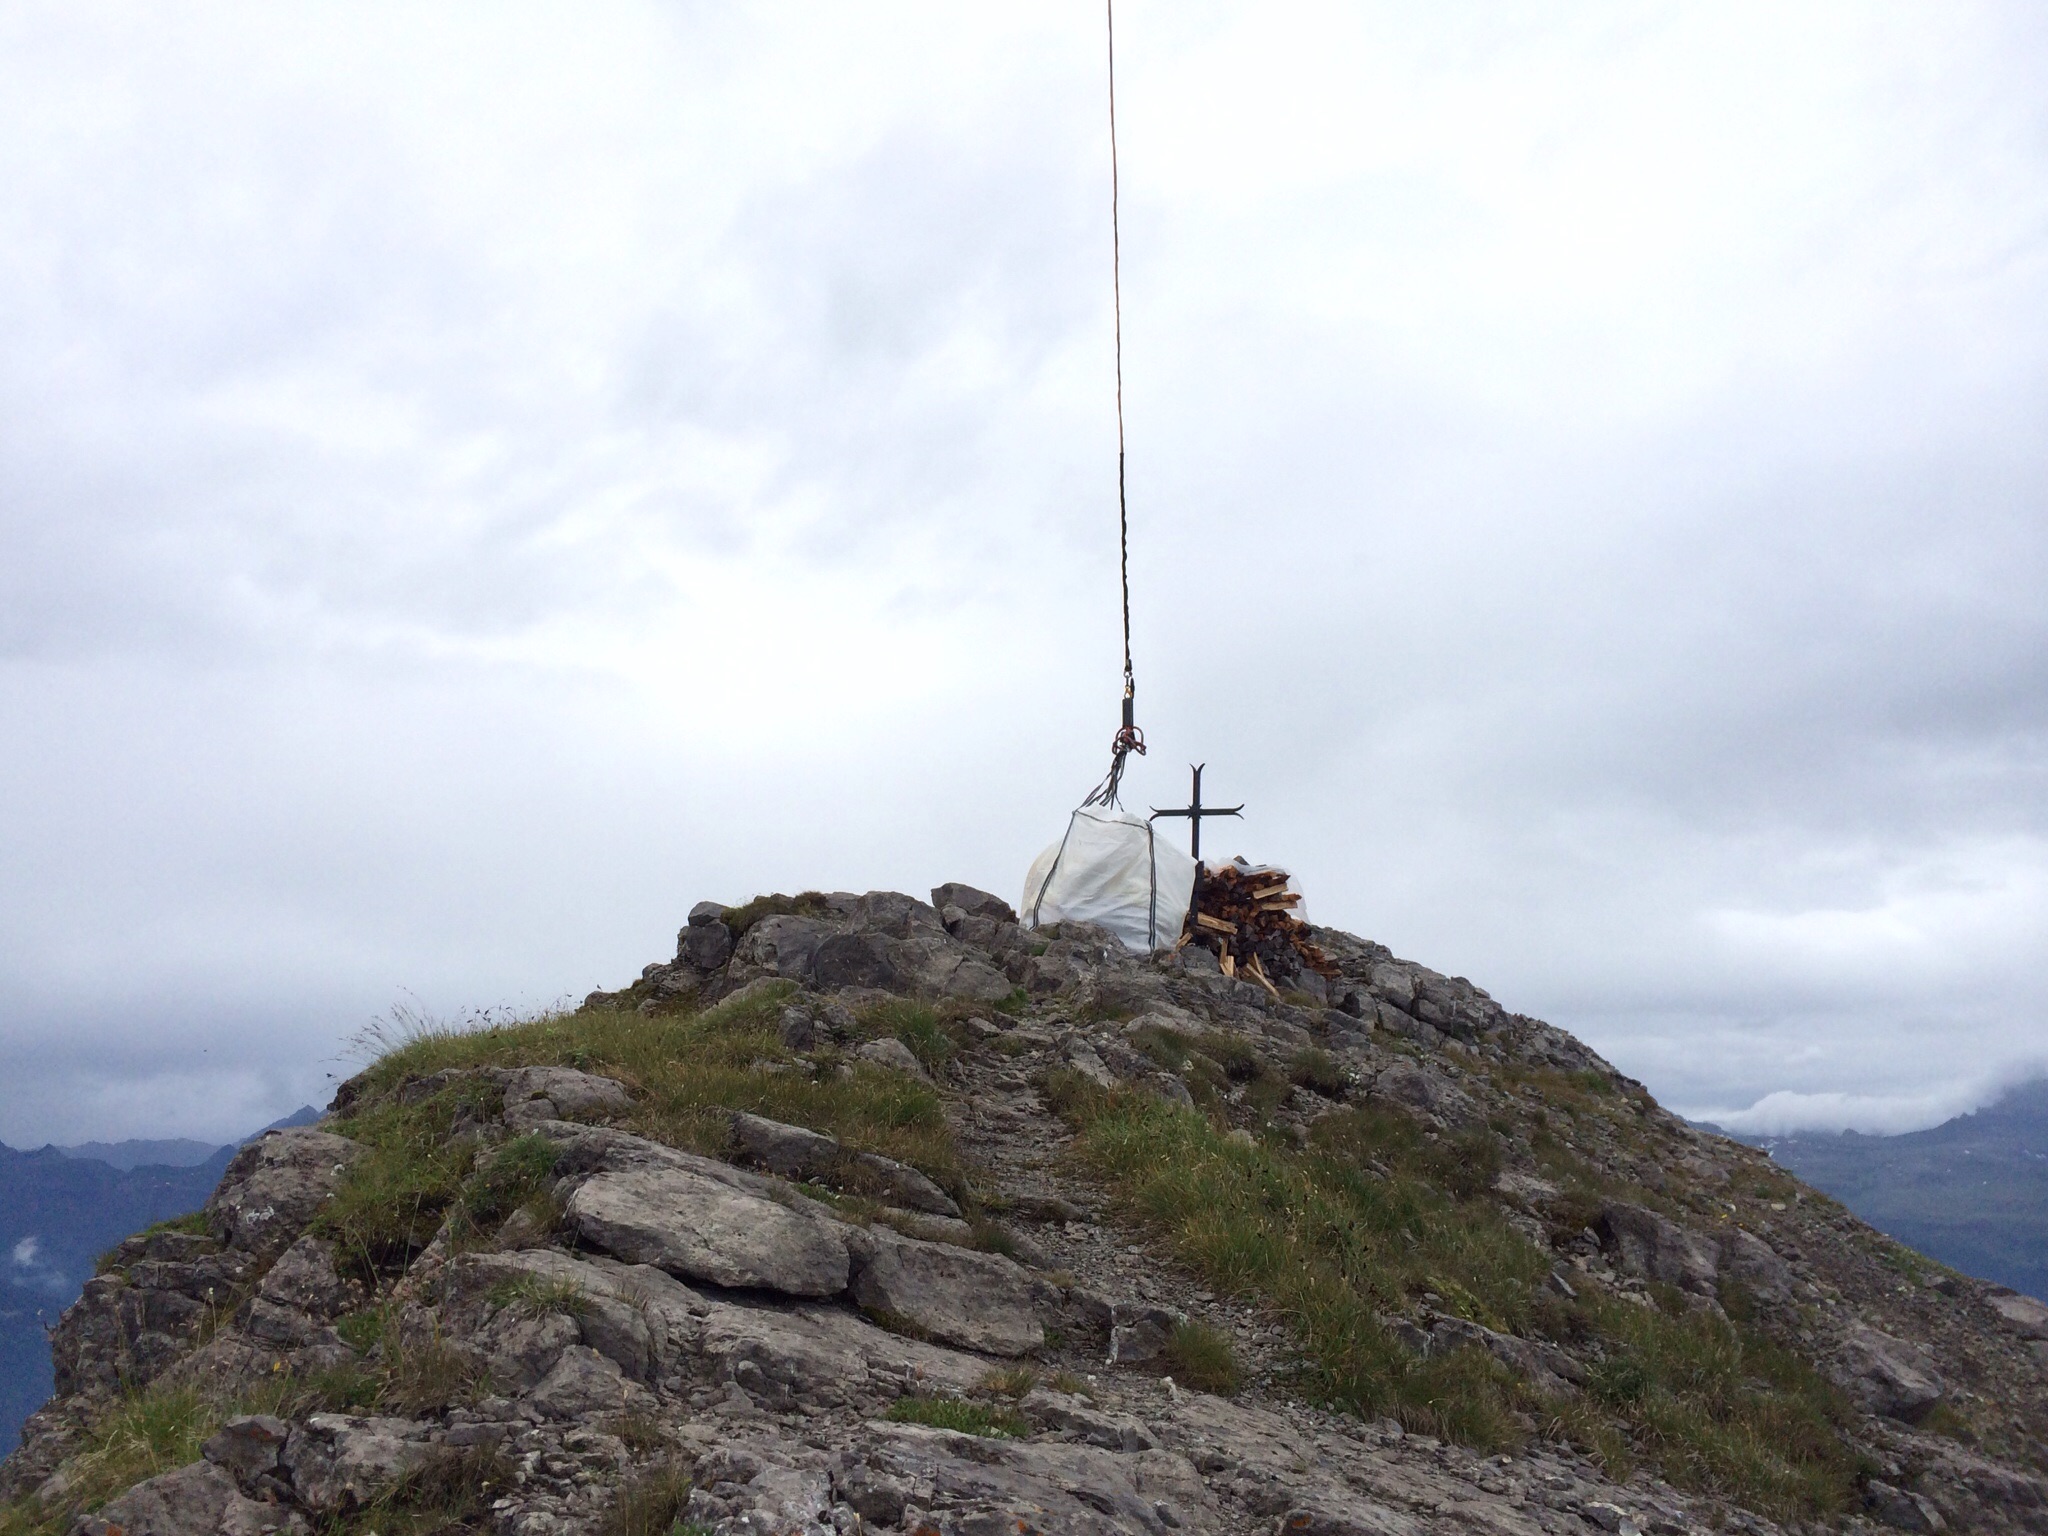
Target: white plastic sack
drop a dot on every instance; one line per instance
(1111, 869)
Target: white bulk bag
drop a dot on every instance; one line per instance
(1110, 869)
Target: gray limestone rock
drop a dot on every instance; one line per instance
(698, 1228)
(792, 1152)
(584, 1384)
(780, 946)
(979, 1301)
(2022, 1314)
(1420, 1090)
(1748, 1261)
(341, 1461)
(1006, 1486)
(788, 1151)
(705, 946)
(892, 1054)
(275, 1185)
(248, 1446)
(941, 966)
(196, 1500)
(563, 1093)
(1549, 1369)
(788, 1501)
(1656, 1248)
(1902, 1510)
(304, 1279)
(855, 960)
(518, 1346)
(1139, 1331)
(972, 902)
(1883, 1375)
(897, 916)
(1348, 1519)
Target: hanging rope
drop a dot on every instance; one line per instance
(1129, 738)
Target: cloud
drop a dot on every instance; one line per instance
(475, 483)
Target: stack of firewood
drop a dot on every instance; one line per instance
(1246, 918)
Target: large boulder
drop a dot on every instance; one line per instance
(635, 1316)
(1751, 1263)
(699, 1228)
(971, 902)
(1423, 1091)
(2022, 1314)
(780, 946)
(1884, 1375)
(896, 916)
(275, 1185)
(341, 1461)
(584, 1384)
(1657, 1248)
(563, 1093)
(196, 1500)
(856, 960)
(945, 967)
(704, 946)
(792, 1152)
(305, 1280)
(978, 1301)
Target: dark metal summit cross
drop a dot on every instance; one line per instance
(1195, 811)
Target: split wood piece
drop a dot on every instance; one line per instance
(1258, 974)
(1215, 924)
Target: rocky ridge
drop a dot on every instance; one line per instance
(531, 1281)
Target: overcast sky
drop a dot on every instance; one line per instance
(477, 480)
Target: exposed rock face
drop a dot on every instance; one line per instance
(138, 1316)
(751, 1319)
(698, 1229)
(1655, 1248)
(275, 1185)
(792, 1152)
(196, 1500)
(337, 1461)
(978, 1301)
(1885, 1375)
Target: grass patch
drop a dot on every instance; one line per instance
(931, 1039)
(1199, 1356)
(1008, 1381)
(514, 1175)
(685, 1071)
(536, 1297)
(192, 1223)
(1370, 1216)
(803, 904)
(1318, 1071)
(652, 1504)
(963, 1417)
(143, 1434)
(450, 1490)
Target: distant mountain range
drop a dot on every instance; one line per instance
(60, 1208)
(1972, 1192)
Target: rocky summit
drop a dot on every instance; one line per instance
(864, 1213)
